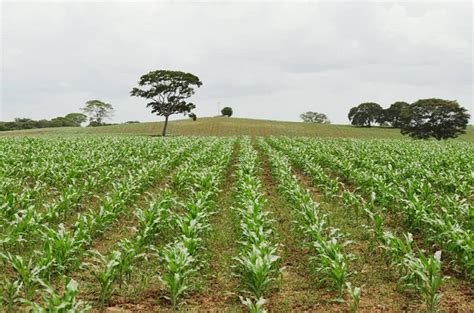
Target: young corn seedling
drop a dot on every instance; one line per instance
(106, 273)
(259, 268)
(424, 275)
(332, 264)
(9, 294)
(61, 249)
(355, 293)
(129, 252)
(179, 265)
(28, 274)
(395, 249)
(254, 307)
(60, 303)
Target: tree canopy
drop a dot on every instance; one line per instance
(98, 111)
(315, 117)
(397, 114)
(167, 92)
(437, 118)
(227, 111)
(77, 118)
(365, 114)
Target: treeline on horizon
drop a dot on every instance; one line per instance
(70, 120)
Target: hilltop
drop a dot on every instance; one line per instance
(221, 126)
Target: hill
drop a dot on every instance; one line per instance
(221, 126)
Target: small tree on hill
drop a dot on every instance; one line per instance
(192, 116)
(227, 111)
(315, 117)
(438, 118)
(167, 92)
(365, 114)
(98, 111)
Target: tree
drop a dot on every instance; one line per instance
(438, 118)
(61, 121)
(397, 114)
(168, 91)
(98, 111)
(192, 116)
(315, 117)
(366, 113)
(77, 118)
(227, 111)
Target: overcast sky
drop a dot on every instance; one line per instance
(265, 60)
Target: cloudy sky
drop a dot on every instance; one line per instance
(271, 60)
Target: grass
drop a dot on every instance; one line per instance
(222, 126)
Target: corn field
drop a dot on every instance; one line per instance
(304, 224)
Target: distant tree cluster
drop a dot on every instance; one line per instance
(425, 118)
(70, 120)
(97, 110)
(315, 117)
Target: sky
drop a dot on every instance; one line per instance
(266, 60)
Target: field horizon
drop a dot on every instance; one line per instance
(223, 127)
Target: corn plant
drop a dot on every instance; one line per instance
(258, 268)
(28, 273)
(178, 267)
(254, 307)
(332, 264)
(9, 294)
(424, 275)
(355, 293)
(105, 270)
(62, 250)
(60, 303)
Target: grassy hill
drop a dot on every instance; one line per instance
(220, 126)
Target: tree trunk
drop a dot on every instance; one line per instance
(165, 126)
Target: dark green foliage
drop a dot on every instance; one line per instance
(227, 111)
(437, 118)
(397, 114)
(167, 92)
(365, 114)
(70, 120)
(192, 116)
(77, 118)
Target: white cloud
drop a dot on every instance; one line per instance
(266, 60)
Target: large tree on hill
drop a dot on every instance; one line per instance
(365, 114)
(315, 117)
(98, 111)
(397, 114)
(438, 118)
(168, 91)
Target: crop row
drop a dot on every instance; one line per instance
(414, 268)
(258, 263)
(330, 260)
(441, 217)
